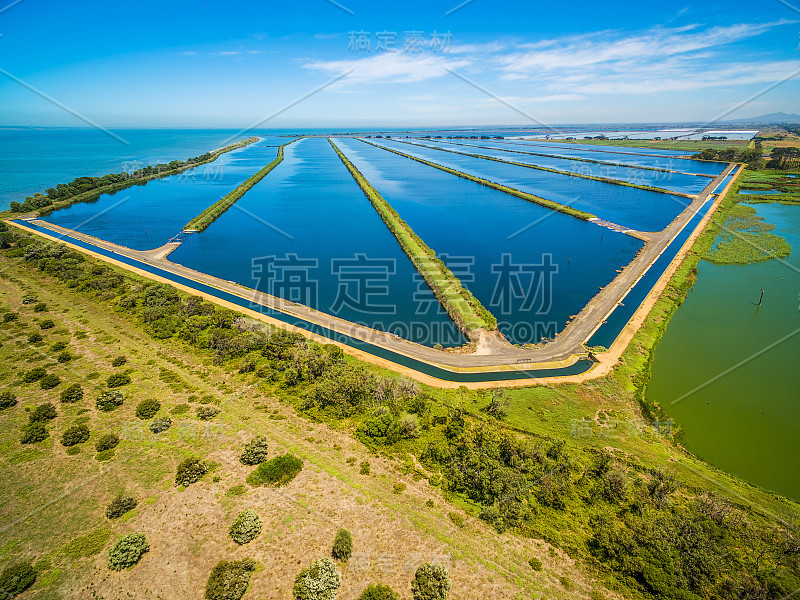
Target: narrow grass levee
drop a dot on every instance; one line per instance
(648, 188)
(462, 307)
(562, 208)
(94, 194)
(216, 210)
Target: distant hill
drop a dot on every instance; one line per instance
(779, 117)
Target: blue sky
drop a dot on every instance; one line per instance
(208, 64)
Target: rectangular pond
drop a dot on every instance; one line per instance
(674, 182)
(532, 267)
(620, 155)
(633, 208)
(146, 216)
(307, 233)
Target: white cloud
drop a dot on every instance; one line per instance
(394, 67)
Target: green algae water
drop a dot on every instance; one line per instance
(726, 370)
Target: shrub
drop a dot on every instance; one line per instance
(255, 451)
(49, 381)
(43, 413)
(342, 545)
(64, 357)
(278, 471)
(73, 450)
(40, 307)
(399, 488)
(108, 401)
(245, 527)
(77, 434)
(160, 424)
(34, 375)
(364, 468)
(180, 409)
(7, 399)
(29, 299)
(107, 441)
(128, 551)
(47, 324)
(147, 409)
(105, 454)
(119, 506)
(229, 579)
(319, 581)
(190, 471)
(58, 346)
(16, 579)
(118, 380)
(119, 361)
(9, 317)
(206, 413)
(74, 393)
(35, 338)
(236, 490)
(456, 518)
(379, 592)
(34, 432)
(431, 582)
(88, 545)
(535, 564)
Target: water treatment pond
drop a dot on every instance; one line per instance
(500, 245)
(739, 409)
(146, 216)
(308, 234)
(630, 207)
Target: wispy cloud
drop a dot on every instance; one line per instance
(394, 67)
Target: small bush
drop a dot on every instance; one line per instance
(7, 399)
(47, 324)
(456, 518)
(74, 393)
(9, 317)
(88, 545)
(429, 503)
(107, 441)
(16, 579)
(119, 506)
(34, 375)
(229, 579)
(77, 434)
(379, 592)
(43, 413)
(255, 451)
(147, 409)
(35, 338)
(319, 581)
(49, 381)
(278, 471)
(206, 413)
(180, 409)
(34, 432)
(119, 361)
(160, 424)
(245, 527)
(190, 471)
(73, 450)
(64, 357)
(342, 545)
(535, 564)
(58, 346)
(128, 551)
(105, 454)
(108, 401)
(40, 307)
(431, 582)
(399, 488)
(30, 299)
(236, 490)
(364, 468)
(117, 380)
